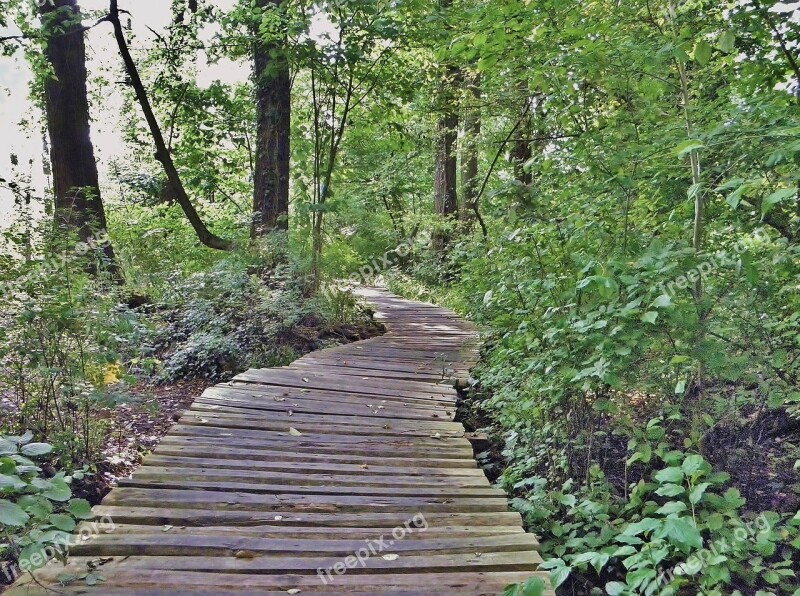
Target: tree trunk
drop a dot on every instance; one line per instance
(446, 198)
(522, 151)
(469, 154)
(78, 205)
(273, 106)
(162, 152)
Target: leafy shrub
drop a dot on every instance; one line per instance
(65, 338)
(235, 317)
(37, 513)
(679, 528)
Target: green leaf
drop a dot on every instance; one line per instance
(672, 507)
(80, 508)
(650, 316)
(7, 447)
(647, 524)
(559, 575)
(11, 481)
(615, 588)
(34, 449)
(534, 586)
(12, 514)
(776, 197)
(21, 440)
(692, 463)
(670, 490)
(663, 301)
(696, 494)
(726, 41)
(58, 490)
(559, 571)
(680, 387)
(702, 51)
(62, 522)
(681, 532)
(673, 474)
(34, 556)
(688, 146)
(568, 500)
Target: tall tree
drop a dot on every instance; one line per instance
(78, 205)
(273, 88)
(469, 153)
(446, 184)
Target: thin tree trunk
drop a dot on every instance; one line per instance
(522, 150)
(78, 205)
(472, 130)
(445, 197)
(445, 200)
(162, 152)
(273, 105)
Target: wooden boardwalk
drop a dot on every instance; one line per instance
(343, 473)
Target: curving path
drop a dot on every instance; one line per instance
(343, 473)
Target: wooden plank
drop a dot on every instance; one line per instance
(308, 406)
(444, 447)
(222, 420)
(308, 478)
(311, 468)
(344, 383)
(362, 417)
(218, 500)
(228, 485)
(190, 545)
(276, 393)
(233, 449)
(266, 532)
(160, 581)
(268, 565)
(164, 515)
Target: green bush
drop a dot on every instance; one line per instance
(37, 513)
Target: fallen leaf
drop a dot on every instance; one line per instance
(391, 557)
(294, 432)
(293, 591)
(245, 554)
(166, 528)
